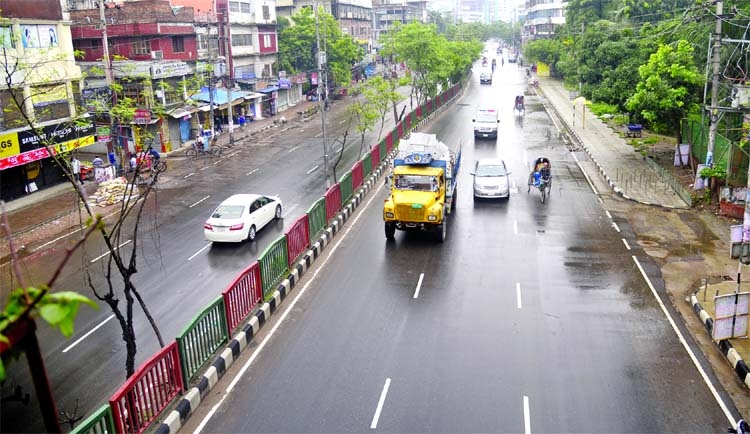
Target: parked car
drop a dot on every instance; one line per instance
(491, 179)
(240, 217)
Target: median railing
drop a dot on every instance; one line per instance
(163, 377)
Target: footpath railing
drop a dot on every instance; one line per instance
(168, 373)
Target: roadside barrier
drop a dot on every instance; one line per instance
(246, 304)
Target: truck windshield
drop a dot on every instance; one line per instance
(416, 182)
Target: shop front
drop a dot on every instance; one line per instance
(26, 157)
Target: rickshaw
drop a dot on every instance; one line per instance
(541, 177)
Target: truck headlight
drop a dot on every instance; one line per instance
(389, 215)
(432, 218)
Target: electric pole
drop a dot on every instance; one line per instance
(322, 93)
(211, 75)
(229, 76)
(716, 65)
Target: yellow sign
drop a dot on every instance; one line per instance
(9, 145)
(70, 145)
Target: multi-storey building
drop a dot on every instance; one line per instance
(387, 12)
(38, 62)
(542, 17)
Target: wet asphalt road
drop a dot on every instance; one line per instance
(531, 317)
(179, 272)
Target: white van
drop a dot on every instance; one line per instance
(486, 122)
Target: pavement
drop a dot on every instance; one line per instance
(48, 213)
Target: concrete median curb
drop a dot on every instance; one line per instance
(733, 357)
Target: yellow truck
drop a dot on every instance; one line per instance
(422, 186)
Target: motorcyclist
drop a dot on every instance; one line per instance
(519, 104)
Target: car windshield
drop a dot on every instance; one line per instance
(487, 170)
(416, 182)
(228, 212)
(486, 117)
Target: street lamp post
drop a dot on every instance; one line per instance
(321, 59)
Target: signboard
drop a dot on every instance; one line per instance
(285, 83)
(314, 78)
(731, 315)
(41, 153)
(103, 133)
(171, 69)
(142, 117)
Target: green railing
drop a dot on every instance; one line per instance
(725, 154)
(367, 165)
(383, 149)
(414, 119)
(205, 334)
(273, 264)
(317, 216)
(100, 422)
(396, 138)
(346, 187)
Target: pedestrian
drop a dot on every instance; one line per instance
(199, 143)
(133, 162)
(76, 166)
(97, 161)
(151, 152)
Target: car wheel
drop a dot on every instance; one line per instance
(390, 230)
(278, 212)
(251, 233)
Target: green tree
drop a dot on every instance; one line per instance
(668, 88)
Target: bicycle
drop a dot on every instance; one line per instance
(193, 153)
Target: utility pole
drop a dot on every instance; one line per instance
(230, 75)
(322, 85)
(211, 75)
(109, 79)
(716, 65)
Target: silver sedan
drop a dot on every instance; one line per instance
(491, 179)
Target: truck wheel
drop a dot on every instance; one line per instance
(441, 230)
(390, 230)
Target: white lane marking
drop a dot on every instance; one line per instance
(246, 366)
(419, 285)
(292, 150)
(107, 253)
(251, 172)
(55, 240)
(515, 227)
(585, 175)
(342, 122)
(199, 251)
(526, 415)
(518, 295)
(188, 175)
(383, 394)
(78, 341)
(608, 214)
(217, 162)
(684, 343)
(624, 241)
(196, 203)
(313, 169)
(600, 200)
(617, 228)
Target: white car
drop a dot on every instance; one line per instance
(240, 217)
(491, 179)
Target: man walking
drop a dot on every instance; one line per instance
(76, 166)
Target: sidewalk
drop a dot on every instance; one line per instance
(616, 160)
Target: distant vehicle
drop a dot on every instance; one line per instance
(486, 121)
(491, 179)
(240, 217)
(485, 77)
(512, 59)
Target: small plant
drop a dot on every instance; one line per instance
(717, 172)
(600, 109)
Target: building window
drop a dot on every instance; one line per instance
(240, 6)
(242, 40)
(266, 13)
(6, 37)
(267, 41)
(139, 47)
(133, 91)
(50, 102)
(10, 113)
(201, 41)
(178, 44)
(96, 44)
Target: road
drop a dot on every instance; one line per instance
(179, 272)
(530, 318)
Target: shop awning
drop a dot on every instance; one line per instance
(269, 89)
(182, 112)
(221, 96)
(254, 95)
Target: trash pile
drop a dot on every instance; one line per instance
(114, 191)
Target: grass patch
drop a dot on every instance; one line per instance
(599, 109)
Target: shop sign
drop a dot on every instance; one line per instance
(314, 78)
(172, 69)
(59, 133)
(285, 83)
(41, 153)
(103, 133)
(142, 117)
(300, 78)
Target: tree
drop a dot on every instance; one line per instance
(668, 88)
